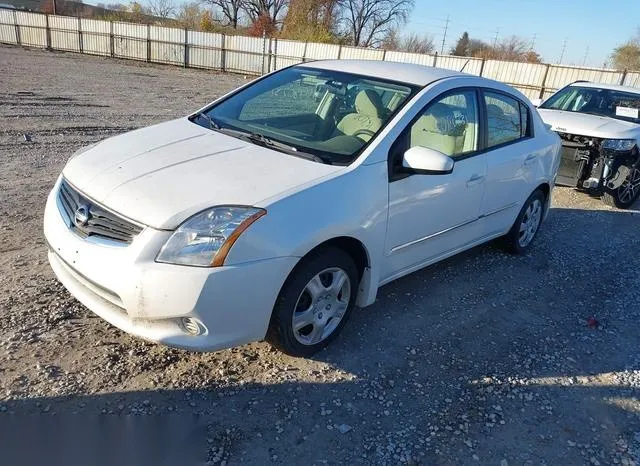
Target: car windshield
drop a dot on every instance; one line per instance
(604, 102)
(324, 115)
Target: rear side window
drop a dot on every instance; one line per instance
(525, 129)
(506, 120)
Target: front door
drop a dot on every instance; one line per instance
(434, 215)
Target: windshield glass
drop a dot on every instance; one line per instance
(604, 102)
(327, 115)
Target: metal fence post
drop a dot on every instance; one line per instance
(48, 32)
(223, 53)
(264, 46)
(339, 51)
(80, 43)
(148, 43)
(304, 52)
(435, 59)
(15, 23)
(384, 54)
(544, 81)
(275, 54)
(482, 66)
(186, 48)
(624, 77)
(111, 39)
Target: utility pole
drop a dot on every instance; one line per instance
(444, 35)
(564, 47)
(54, 6)
(586, 54)
(495, 39)
(533, 41)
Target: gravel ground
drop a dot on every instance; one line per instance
(485, 358)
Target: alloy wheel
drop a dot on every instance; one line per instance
(630, 188)
(530, 223)
(321, 306)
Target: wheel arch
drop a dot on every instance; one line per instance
(356, 249)
(545, 187)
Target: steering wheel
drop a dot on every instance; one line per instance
(364, 132)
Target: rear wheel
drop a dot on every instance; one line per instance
(526, 226)
(314, 303)
(625, 195)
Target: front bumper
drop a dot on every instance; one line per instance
(126, 287)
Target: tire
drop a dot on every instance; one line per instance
(624, 196)
(518, 241)
(314, 303)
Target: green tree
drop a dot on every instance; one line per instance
(207, 22)
(463, 46)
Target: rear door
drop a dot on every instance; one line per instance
(511, 159)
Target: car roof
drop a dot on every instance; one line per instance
(409, 73)
(612, 87)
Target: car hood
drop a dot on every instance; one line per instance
(584, 124)
(163, 174)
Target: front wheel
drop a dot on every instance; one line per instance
(314, 303)
(525, 228)
(627, 193)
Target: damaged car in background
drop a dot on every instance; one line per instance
(599, 125)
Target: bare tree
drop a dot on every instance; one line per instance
(391, 40)
(368, 21)
(627, 55)
(416, 44)
(261, 8)
(189, 15)
(230, 10)
(161, 8)
(512, 48)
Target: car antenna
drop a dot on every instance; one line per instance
(464, 66)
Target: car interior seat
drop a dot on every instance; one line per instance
(437, 129)
(366, 121)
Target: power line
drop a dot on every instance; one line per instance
(444, 36)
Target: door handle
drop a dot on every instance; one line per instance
(474, 180)
(530, 159)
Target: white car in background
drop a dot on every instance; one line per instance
(275, 210)
(600, 129)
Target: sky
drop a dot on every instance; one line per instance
(591, 28)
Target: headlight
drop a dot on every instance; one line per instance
(82, 150)
(205, 239)
(621, 145)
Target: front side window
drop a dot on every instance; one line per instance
(449, 125)
(329, 114)
(504, 121)
(603, 102)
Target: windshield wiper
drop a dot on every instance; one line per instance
(260, 139)
(263, 140)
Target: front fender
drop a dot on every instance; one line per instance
(353, 204)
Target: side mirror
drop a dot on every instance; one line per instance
(427, 161)
(536, 102)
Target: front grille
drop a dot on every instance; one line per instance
(88, 219)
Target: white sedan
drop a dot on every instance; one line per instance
(272, 212)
